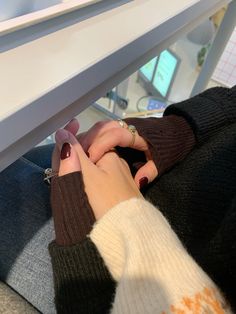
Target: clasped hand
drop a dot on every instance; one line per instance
(107, 177)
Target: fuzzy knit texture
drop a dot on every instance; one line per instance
(154, 272)
(73, 220)
(72, 213)
(82, 281)
(207, 112)
(170, 139)
(198, 195)
(12, 303)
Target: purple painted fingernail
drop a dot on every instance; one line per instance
(143, 182)
(65, 151)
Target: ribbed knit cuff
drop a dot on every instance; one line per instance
(81, 279)
(207, 112)
(72, 213)
(170, 139)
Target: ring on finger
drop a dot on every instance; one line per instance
(132, 129)
(121, 123)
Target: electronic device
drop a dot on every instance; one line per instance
(147, 70)
(155, 104)
(158, 74)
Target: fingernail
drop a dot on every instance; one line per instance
(65, 151)
(143, 182)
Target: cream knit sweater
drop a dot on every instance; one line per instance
(154, 272)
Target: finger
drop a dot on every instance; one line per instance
(69, 160)
(148, 171)
(73, 127)
(86, 139)
(112, 138)
(63, 136)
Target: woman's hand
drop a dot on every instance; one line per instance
(72, 127)
(105, 135)
(107, 183)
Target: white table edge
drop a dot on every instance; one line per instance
(71, 101)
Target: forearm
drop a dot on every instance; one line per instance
(185, 124)
(82, 282)
(155, 274)
(207, 112)
(170, 139)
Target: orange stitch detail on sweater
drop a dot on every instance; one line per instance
(194, 304)
(176, 310)
(188, 303)
(205, 302)
(210, 298)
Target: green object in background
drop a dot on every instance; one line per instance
(201, 56)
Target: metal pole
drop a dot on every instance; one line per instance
(224, 32)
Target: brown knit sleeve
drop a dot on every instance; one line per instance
(72, 213)
(170, 139)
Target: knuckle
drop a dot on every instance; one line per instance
(100, 124)
(92, 151)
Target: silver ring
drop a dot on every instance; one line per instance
(132, 129)
(121, 123)
(48, 175)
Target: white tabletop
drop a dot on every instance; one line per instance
(40, 79)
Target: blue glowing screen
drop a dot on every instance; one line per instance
(164, 73)
(148, 69)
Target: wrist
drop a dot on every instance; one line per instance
(72, 213)
(170, 139)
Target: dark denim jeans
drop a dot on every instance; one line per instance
(26, 229)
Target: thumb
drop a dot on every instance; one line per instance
(72, 126)
(69, 159)
(146, 174)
